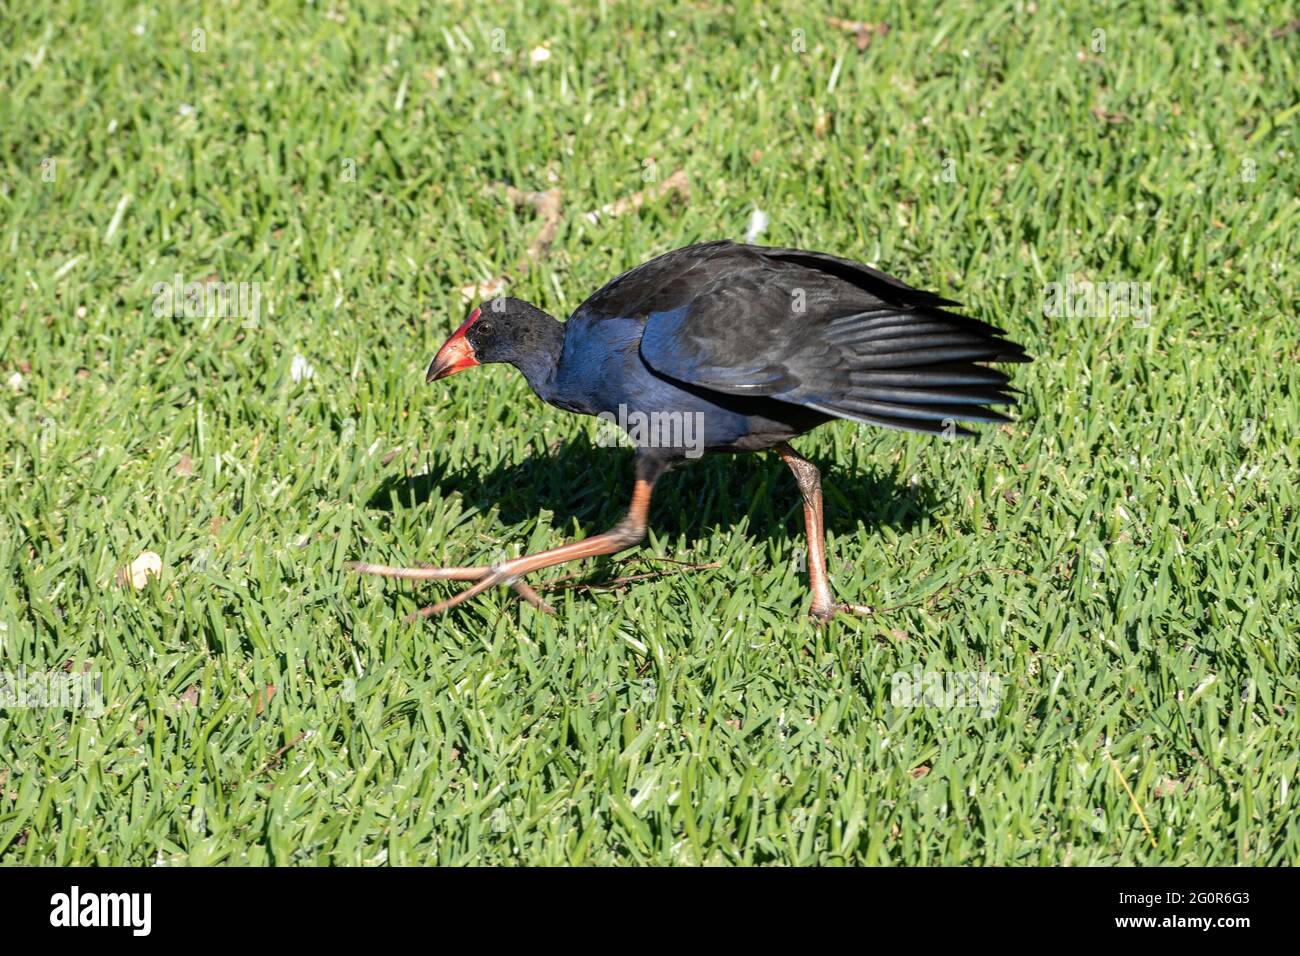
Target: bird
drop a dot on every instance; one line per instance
(726, 347)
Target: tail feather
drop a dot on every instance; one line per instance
(919, 370)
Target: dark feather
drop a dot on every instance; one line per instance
(807, 329)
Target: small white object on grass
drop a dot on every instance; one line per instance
(300, 369)
(757, 225)
(66, 267)
(138, 572)
(116, 221)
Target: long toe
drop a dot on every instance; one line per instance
(823, 613)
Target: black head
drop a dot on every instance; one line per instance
(503, 329)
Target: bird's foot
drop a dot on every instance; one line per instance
(823, 613)
(486, 576)
(622, 536)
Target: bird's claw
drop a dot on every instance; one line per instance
(823, 614)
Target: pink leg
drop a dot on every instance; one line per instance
(824, 606)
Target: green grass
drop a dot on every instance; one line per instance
(1123, 557)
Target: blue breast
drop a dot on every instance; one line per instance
(601, 372)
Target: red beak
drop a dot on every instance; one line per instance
(456, 354)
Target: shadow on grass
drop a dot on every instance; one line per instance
(591, 485)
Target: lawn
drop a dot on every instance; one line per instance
(1120, 563)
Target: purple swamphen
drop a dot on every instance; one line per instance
(738, 348)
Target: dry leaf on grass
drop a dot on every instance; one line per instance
(863, 33)
(1166, 787)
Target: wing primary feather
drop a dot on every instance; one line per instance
(899, 424)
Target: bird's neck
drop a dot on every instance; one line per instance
(541, 358)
